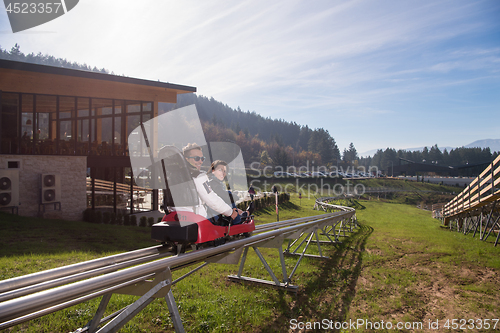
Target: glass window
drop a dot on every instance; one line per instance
(118, 106)
(53, 128)
(43, 125)
(107, 110)
(131, 123)
(106, 129)
(27, 116)
(118, 130)
(104, 135)
(46, 104)
(83, 107)
(102, 106)
(82, 136)
(117, 137)
(44, 145)
(65, 130)
(46, 108)
(82, 130)
(146, 106)
(93, 136)
(66, 138)
(10, 123)
(66, 107)
(133, 107)
(27, 124)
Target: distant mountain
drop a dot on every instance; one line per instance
(373, 151)
(368, 153)
(493, 144)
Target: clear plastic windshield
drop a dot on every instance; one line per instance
(236, 179)
(155, 150)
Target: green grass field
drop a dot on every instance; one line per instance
(400, 266)
(415, 271)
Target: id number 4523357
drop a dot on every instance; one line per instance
(33, 7)
(471, 324)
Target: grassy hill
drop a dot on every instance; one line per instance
(400, 266)
(390, 189)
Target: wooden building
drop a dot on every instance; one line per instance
(74, 125)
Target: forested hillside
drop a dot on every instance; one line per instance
(278, 142)
(270, 141)
(292, 144)
(455, 157)
(45, 59)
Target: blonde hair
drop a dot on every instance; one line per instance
(189, 147)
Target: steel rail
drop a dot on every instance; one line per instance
(346, 218)
(76, 277)
(22, 306)
(324, 202)
(276, 225)
(51, 274)
(61, 306)
(270, 226)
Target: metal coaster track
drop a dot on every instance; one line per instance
(148, 273)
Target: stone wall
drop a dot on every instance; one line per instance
(73, 173)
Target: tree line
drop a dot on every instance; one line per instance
(279, 142)
(282, 144)
(384, 159)
(269, 141)
(15, 54)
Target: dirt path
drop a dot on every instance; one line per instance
(425, 288)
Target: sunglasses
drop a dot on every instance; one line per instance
(197, 158)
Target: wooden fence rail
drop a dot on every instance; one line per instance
(482, 191)
(476, 208)
(105, 185)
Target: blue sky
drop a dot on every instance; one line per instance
(380, 74)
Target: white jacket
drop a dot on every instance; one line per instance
(206, 196)
(209, 197)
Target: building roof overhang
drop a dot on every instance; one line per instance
(25, 77)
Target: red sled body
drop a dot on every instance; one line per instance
(183, 227)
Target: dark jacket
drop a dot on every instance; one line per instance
(220, 189)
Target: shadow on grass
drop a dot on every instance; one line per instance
(327, 294)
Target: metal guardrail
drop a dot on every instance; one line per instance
(324, 204)
(147, 273)
(341, 221)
